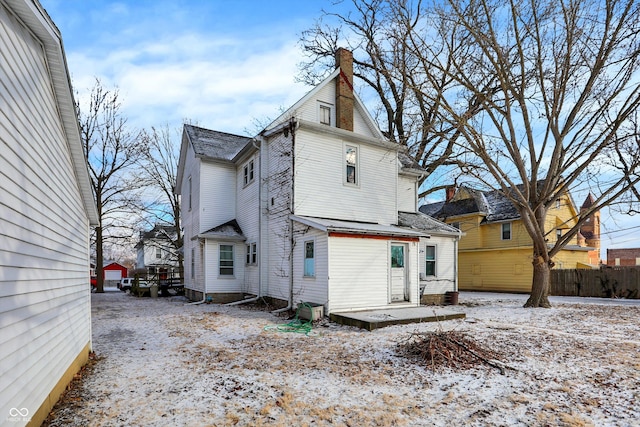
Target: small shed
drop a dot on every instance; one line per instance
(115, 272)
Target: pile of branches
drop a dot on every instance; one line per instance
(452, 349)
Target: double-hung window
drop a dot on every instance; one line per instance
(506, 231)
(158, 253)
(248, 173)
(309, 259)
(252, 253)
(351, 160)
(430, 260)
(226, 260)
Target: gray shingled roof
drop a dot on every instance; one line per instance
(408, 161)
(492, 204)
(229, 230)
(420, 221)
(215, 145)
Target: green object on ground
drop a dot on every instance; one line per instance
(296, 325)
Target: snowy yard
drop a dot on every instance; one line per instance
(164, 363)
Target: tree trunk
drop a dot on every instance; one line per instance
(541, 284)
(99, 262)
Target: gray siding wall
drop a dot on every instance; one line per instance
(44, 261)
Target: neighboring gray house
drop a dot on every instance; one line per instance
(156, 251)
(319, 207)
(46, 211)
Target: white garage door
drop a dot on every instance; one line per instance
(112, 275)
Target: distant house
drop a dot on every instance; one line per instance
(623, 257)
(495, 252)
(46, 211)
(114, 271)
(156, 251)
(318, 207)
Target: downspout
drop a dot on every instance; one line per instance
(292, 129)
(256, 298)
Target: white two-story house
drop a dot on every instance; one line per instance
(319, 207)
(156, 252)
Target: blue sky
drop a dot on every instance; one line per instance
(222, 64)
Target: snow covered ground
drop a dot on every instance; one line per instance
(166, 363)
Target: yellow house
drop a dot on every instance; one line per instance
(495, 251)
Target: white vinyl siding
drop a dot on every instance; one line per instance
(278, 192)
(320, 189)
(306, 288)
(44, 255)
(247, 214)
(445, 256)
(215, 282)
(359, 273)
(407, 194)
(217, 194)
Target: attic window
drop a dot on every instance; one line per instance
(325, 113)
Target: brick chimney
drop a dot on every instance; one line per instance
(451, 191)
(344, 89)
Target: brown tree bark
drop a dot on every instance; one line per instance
(541, 283)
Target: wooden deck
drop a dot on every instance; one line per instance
(374, 319)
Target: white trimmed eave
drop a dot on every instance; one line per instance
(33, 15)
(219, 237)
(348, 135)
(364, 228)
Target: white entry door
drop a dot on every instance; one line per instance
(398, 274)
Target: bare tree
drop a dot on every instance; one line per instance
(541, 97)
(111, 150)
(407, 87)
(162, 204)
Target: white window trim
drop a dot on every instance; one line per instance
(248, 173)
(435, 261)
(344, 165)
(304, 258)
(502, 231)
(252, 252)
(332, 113)
(233, 259)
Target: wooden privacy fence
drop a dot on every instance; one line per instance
(606, 282)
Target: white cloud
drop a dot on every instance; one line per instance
(223, 83)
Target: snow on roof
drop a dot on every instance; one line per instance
(335, 225)
(230, 230)
(216, 145)
(420, 221)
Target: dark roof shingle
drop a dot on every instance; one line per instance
(214, 144)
